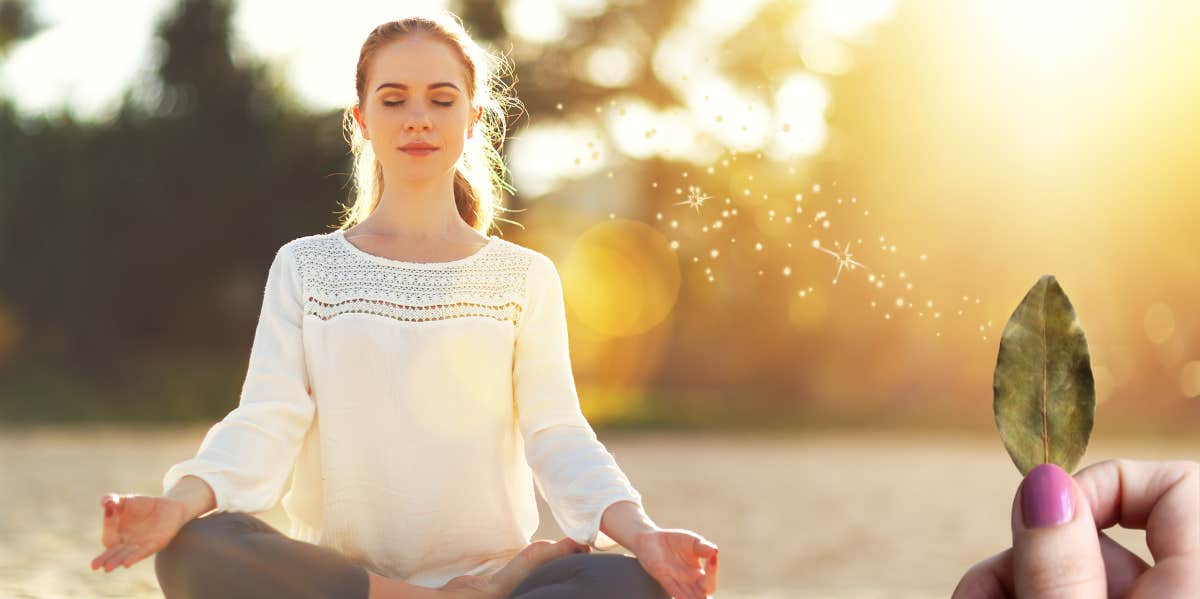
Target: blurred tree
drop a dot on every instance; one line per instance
(150, 235)
(16, 23)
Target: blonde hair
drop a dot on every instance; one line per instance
(479, 175)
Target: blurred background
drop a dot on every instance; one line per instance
(790, 234)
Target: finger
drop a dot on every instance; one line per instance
(988, 579)
(136, 555)
(1121, 566)
(105, 557)
(688, 587)
(110, 563)
(99, 560)
(1056, 550)
(1158, 497)
(114, 561)
(704, 548)
(710, 575)
(673, 589)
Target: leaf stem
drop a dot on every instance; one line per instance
(1045, 361)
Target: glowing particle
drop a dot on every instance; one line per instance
(899, 302)
(558, 106)
(825, 224)
(787, 271)
(714, 253)
(674, 244)
(924, 257)
(758, 246)
(816, 187)
(674, 224)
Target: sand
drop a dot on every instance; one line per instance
(832, 515)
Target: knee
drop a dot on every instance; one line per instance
(630, 579)
(594, 576)
(195, 547)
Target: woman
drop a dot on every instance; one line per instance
(412, 374)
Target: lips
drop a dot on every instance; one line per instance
(418, 148)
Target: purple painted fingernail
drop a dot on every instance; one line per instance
(1046, 498)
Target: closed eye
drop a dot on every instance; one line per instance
(402, 101)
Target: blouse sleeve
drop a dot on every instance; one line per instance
(247, 456)
(574, 471)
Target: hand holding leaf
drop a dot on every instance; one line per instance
(1045, 396)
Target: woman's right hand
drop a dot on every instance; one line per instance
(137, 526)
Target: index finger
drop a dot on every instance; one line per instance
(1162, 498)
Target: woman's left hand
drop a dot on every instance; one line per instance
(673, 557)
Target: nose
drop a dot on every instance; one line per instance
(418, 122)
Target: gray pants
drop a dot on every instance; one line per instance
(236, 555)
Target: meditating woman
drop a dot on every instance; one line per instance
(412, 375)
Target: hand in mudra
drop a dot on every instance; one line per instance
(135, 527)
(683, 562)
(502, 583)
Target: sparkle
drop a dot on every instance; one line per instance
(844, 258)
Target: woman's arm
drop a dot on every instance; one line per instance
(195, 494)
(624, 520)
(245, 458)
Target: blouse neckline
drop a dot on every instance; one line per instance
(340, 234)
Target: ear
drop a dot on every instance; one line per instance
(362, 125)
(474, 120)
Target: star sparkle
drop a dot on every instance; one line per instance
(844, 258)
(695, 198)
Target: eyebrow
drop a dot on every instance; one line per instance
(431, 86)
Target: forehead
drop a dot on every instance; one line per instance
(416, 61)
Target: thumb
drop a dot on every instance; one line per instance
(1056, 548)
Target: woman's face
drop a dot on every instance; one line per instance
(416, 91)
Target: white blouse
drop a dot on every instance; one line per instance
(416, 405)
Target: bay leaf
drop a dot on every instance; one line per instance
(1044, 393)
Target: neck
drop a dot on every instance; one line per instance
(418, 209)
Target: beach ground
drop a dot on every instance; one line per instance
(851, 514)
